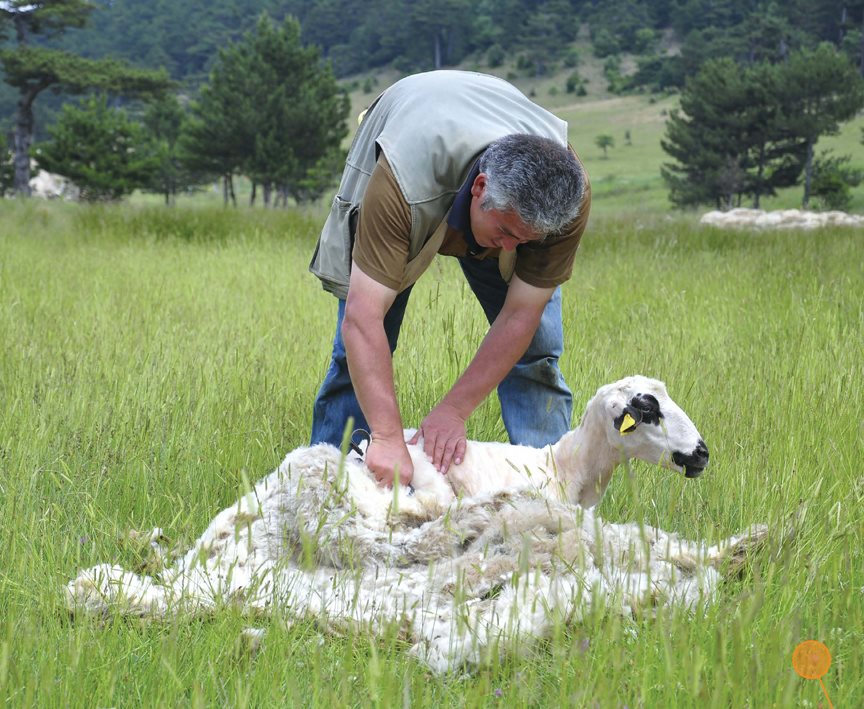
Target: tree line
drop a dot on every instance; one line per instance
(416, 35)
(270, 109)
(233, 92)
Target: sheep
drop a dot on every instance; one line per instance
(505, 560)
(782, 219)
(632, 418)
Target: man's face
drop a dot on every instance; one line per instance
(494, 229)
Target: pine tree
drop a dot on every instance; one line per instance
(164, 121)
(821, 89)
(32, 69)
(730, 139)
(270, 110)
(98, 148)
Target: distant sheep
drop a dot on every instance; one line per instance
(505, 560)
(47, 185)
(782, 219)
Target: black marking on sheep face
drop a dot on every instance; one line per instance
(643, 408)
(693, 463)
(648, 406)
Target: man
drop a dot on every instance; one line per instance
(461, 164)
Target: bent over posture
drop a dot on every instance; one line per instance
(461, 164)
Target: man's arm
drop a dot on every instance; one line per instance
(371, 367)
(443, 430)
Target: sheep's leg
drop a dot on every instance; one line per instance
(730, 555)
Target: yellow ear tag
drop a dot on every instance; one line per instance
(361, 116)
(627, 425)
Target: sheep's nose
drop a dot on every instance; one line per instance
(701, 453)
(693, 463)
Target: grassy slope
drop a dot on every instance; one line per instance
(152, 358)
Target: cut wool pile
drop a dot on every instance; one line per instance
(782, 219)
(490, 571)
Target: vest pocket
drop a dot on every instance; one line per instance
(331, 261)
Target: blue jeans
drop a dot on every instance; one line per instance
(536, 404)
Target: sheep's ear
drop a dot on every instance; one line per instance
(628, 421)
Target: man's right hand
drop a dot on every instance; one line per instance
(386, 456)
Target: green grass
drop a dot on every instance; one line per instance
(152, 358)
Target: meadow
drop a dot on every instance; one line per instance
(152, 359)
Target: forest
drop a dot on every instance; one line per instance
(767, 77)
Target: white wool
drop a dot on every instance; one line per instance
(317, 537)
(47, 185)
(781, 219)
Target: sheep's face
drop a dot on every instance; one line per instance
(643, 422)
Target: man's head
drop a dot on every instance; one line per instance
(528, 187)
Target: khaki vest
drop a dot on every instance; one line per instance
(430, 127)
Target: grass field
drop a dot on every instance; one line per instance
(152, 358)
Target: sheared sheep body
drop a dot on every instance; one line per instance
(313, 537)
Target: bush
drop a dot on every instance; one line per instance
(574, 82)
(571, 58)
(605, 44)
(369, 84)
(524, 63)
(553, 90)
(404, 65)
(833, 180)
(644, 40)
(495, 55)
(612, 72)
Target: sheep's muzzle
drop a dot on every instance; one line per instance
(694, 463)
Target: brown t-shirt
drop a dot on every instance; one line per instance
(384, 226)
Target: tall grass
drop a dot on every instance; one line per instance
(151, 358)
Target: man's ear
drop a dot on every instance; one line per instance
(478, 187)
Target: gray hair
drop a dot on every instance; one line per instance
(535, 177)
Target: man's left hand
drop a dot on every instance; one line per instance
(443, 432)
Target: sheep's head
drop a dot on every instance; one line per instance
(644, 422)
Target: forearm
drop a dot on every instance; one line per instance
(371, 367)
(504, 344)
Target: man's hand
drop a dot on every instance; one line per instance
(386, 456)
(443, 432)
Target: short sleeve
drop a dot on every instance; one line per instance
(383, 228)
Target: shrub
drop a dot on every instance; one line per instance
(605, 44)
(833, 180)
(644, 40)
(524, 63)
(495, 55)
(571, 58)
